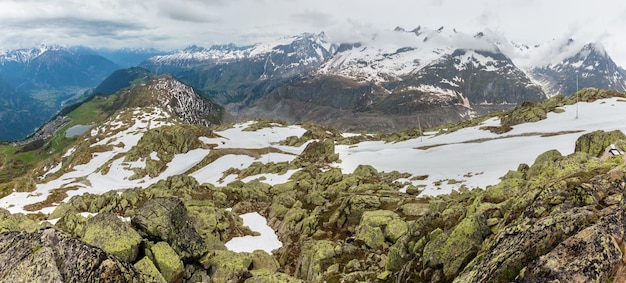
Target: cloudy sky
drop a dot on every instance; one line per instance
(172, 24)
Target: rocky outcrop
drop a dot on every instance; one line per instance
(166, 219)
(591, 255)
(562, 218)
(52, 256)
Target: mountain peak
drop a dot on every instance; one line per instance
(177, 98)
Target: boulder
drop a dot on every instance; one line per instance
(17, 222)
(395, 229)
(595, 143)
(312, 253)
(388, 222)
(166, 219)
(228, 266)
(264, 261)
(110, 233)
(149, 270)
(50, 255)
(273, 278)
(373, 237)
(454, 250)
(352, 208)
(167, 261)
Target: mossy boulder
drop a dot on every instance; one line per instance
(149, 270)
(454, 250)
(275, 277)
(228, 266)
(392, 226)
(595, 143)
(309, 266)
(372, 236)
(396, 229)
(72, 223)
(110, 233)
(352, 208)
(17, 222)
(264, 261)
(167, 261)
(317, 152)
(49, 255)
(166, 219)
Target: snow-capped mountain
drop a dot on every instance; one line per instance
(286, 56)
(591, 66)
(390, 73)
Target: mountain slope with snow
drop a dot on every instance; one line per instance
(355, 200)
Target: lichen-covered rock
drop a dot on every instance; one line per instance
(110, 233)
(167, 261)
(517, 245)
(149, 270)
(352, 208)
(309, 266)
(378, 218)
(53, 256)
(264, 261)
(395, 229)
(228, 266)
(388, 222)
(17, 222)
(212, 223)
(273, 278)
(372, 236)
(589, 256)
(72, 223)
(595, 143)
(317, 152)
(454, 250)
(167, 219)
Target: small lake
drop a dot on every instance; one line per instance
(77, 130)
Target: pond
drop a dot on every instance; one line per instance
(77, 130)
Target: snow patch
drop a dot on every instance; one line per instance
(267, 241)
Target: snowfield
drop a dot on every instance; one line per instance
(469, 157)
(478, 158)
(88, 178)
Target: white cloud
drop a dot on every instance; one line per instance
(178, 23)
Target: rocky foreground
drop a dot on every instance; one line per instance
(562, 218)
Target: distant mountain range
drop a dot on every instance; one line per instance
(441, 74)
(384, 83)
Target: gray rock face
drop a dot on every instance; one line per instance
(52, 256)
(166, 219)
